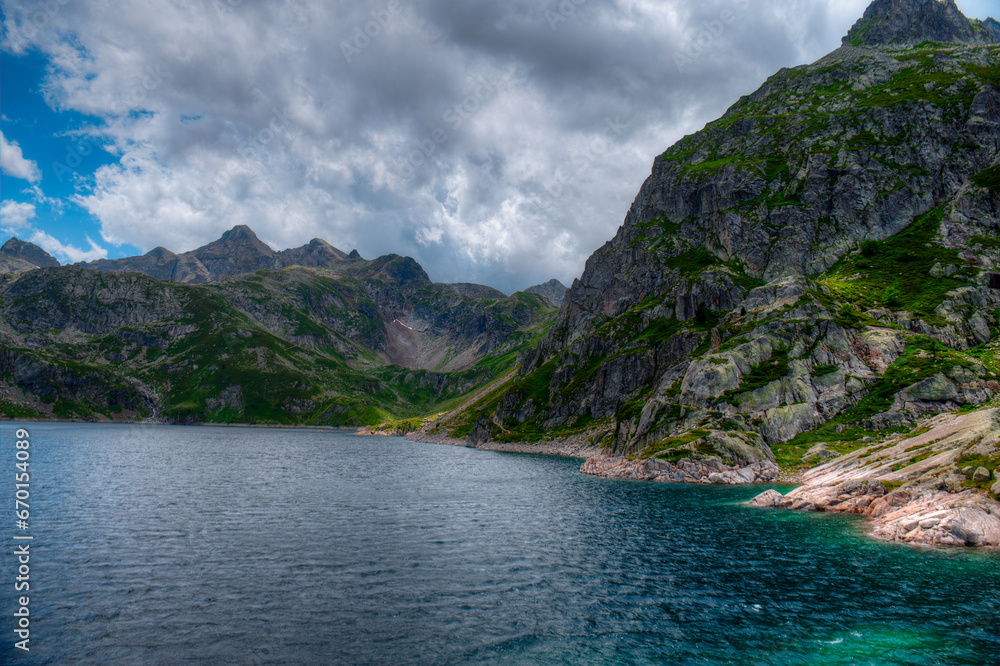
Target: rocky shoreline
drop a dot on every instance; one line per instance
(569, 448)
(910, 486)
(913, 487)
(687, 470)
(925, 516)
(599, 462)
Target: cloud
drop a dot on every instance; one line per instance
(473, 135)
(13, 163)
(67, 252)
(16, 216)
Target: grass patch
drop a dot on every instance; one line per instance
(667, 449)
(988, 178)
(693, 262)
(976, 461)
(896, 272)
(771, 370)
(11, 411)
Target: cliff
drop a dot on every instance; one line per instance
(816, 266)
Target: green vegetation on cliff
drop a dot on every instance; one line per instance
(297, 346)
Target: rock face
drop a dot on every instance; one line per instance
(476, 292)
(914, 487)
(818, 265)
(316, 254)
(238, 251)
(911, 22)
(28, 253)
(553, 291)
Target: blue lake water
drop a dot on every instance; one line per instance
(157, 544)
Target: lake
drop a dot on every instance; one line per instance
(163, 544)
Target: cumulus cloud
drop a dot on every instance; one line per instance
(13, 163)
(16, 216)
(499, 142)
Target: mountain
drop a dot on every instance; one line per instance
(553, 291)
(159, 263)
(351, 342)
(17, 256)
(912, 22)
(476, 292)
(238, 252)
(812, 272)
(990, 26)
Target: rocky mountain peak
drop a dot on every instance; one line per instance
(318, 253)
(160, 252)
(240, 232)
(15, 248)
(898, 22)
(553, 291)
(238, 251)
(990, 26)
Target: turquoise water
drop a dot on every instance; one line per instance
(156, 544)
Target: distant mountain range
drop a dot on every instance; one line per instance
(237, 252)
(236, 332)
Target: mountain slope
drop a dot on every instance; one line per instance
(814, 266)
(370, 341)
(17, 256)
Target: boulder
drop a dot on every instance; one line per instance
(937, 388)
(768, 498)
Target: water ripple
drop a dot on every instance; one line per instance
(223, 545)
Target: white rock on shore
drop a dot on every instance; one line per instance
(933, 507)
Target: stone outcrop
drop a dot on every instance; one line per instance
(909, 22)
(914, 488)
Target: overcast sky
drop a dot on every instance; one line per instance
(495, 141)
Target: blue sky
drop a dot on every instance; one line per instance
(495, 142)
(65, 159)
